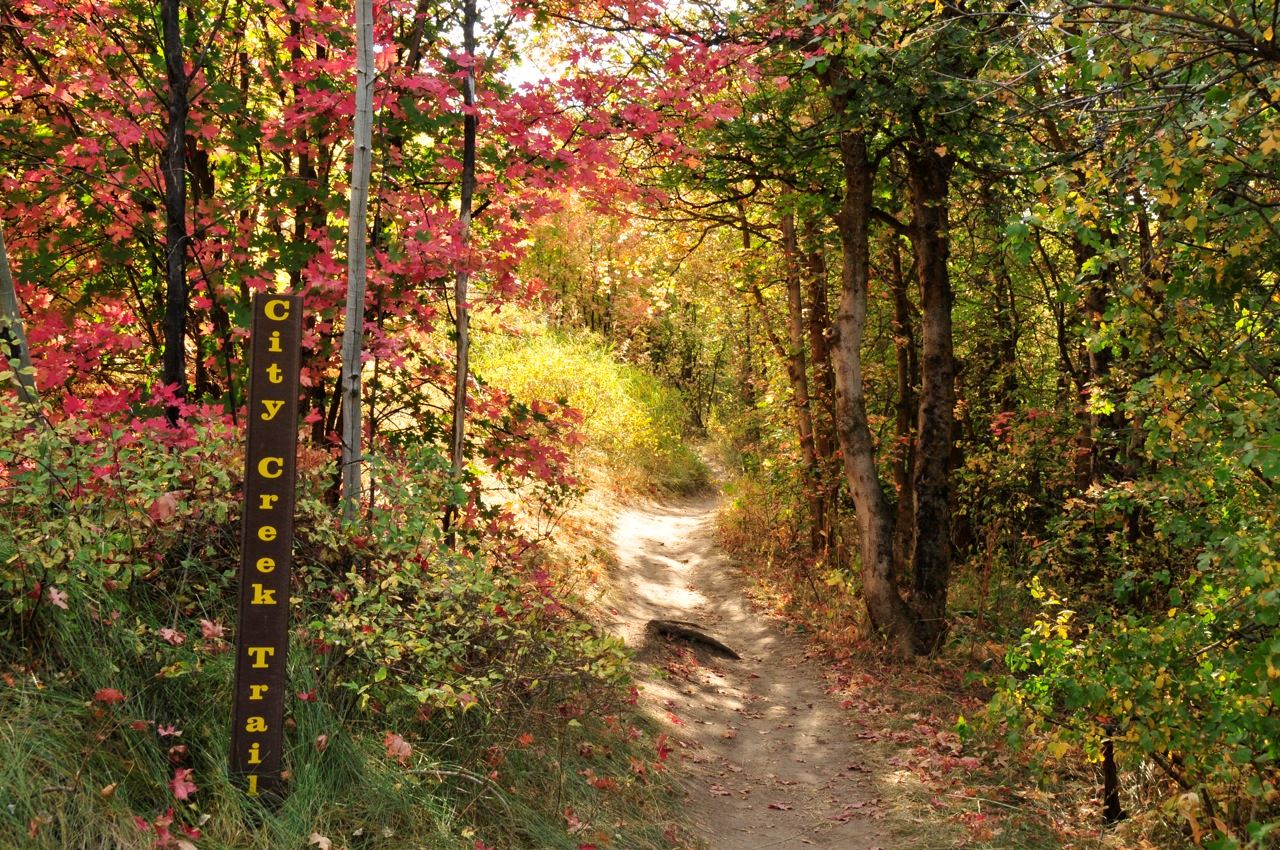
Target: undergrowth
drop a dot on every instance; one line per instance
(955, 779)
(442, 698)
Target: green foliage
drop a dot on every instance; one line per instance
(414, 670)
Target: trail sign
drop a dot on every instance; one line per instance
(266, 543)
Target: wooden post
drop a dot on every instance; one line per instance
(266, 553)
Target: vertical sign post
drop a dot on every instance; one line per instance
(266, 543)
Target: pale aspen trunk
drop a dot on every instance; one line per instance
(357, 271)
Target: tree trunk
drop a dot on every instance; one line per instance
(174, 171)
(818, 320)
(462, 280)
(13, 334)
(798, 372)
(908, 373)
(929, 183)
(889, 615)
(357, 271)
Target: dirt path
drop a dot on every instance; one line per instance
(772, 759)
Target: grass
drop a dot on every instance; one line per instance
(635, 427)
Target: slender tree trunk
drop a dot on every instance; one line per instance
(817, 321)
(462, 281)
(357, 271)
(929, 182)
(908, 372)
(174, 171)
(12, 332)
(889, 615)
(818, 316)
(798, 372)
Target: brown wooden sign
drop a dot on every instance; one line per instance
(266, 547)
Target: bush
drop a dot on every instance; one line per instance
(415, 670)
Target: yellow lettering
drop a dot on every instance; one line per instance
(268, 501)
(254, 756)
(262, 596)
(274, 375)
(266, 565)
(265, 465)
(272, 408)
(274, 346)
(256, 691)
(256, 724)
(253, 785)
(260, 654)
(267, 533)
(277, 310)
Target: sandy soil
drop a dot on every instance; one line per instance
(771, 759)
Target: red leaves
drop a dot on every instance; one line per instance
(663, 749)
(173, 637)
(108, 696)
(164, 508)
(397, 748)
(56, 598)
(181, 784)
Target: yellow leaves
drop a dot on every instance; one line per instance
(1058, 749)
(1190, 222)
(1270, 140)
(1146, 60)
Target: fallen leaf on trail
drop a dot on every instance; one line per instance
(720, 791)
(319, 841)
(782, 807)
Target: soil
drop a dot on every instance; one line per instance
(770, 758)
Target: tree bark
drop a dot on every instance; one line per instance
(791, 352)
(462, 311)
(798, 372)
(889, 615)
(908, 374)
(357, 271)
(818, 316)
(929, 183)
(174, 172)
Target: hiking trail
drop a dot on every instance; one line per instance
(771, 761)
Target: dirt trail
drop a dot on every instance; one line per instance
(772, 760)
